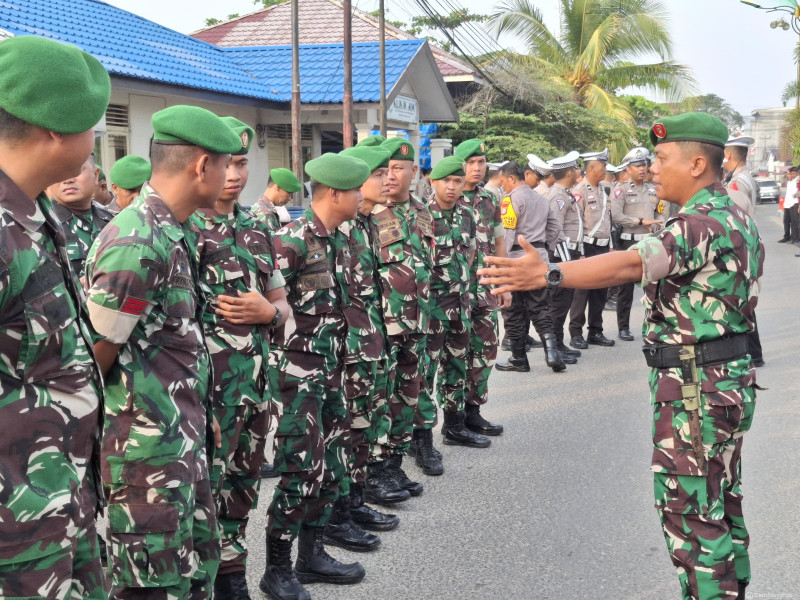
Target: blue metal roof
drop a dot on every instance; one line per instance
(131, 46)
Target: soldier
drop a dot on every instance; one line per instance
(634, 208)
(313, 431)
(594, 208)
(128, 175)
(703, 387)
(51, 96)
(280, 187)
(483, 306)
(527, 214)
(366, 376)
(568, 245)
(102, 195)
(146, 304)
(405, 237)
(236, 261)
(81, 218)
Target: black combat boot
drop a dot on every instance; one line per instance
(381, 487)
(566, 351)
(518, 360)
(268, 471)
(412, 449)
(742, 590)
(395, 467)
(341, 531)
(568, 358)
(367, 517)
(475, 422)
(315, 565)
(231, 586)
(426, 457)
(531, 342)
(456, 433)
(551, 354)
(280, 581)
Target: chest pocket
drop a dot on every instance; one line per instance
(315, 284)
(390, 240)
(631, 198)
(220, 266)
(263, 256)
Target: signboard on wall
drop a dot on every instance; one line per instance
(403, 109)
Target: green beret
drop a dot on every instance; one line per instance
(449, 165)
(130, 172)
(338, 172)
(373, 140)
(194, 126)
(372, 155)
(400, 149)
(51, 85)
(470, 148)
(690, 127)
(243, 130)
(285, 180)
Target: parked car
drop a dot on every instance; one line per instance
(768, 191)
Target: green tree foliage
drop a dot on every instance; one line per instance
(714, 105)
(448, 23)
(212, 21)
(645, 112)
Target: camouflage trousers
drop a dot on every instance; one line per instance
(62, 569)
(701, 509)
(481, 354)
(236, 476)
(406, 364)
(163, 543)
(365, 390)
(311, 450)
(445, 372)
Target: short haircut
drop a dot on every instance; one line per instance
(427, 171)
(317, 188)
(173, 158)
(559, 174)
(713, 154)
(738, 153)
(13, 129)
(793, 169)
(512, 168)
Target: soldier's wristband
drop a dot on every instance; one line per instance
(277, 319)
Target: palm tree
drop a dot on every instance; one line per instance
(593, 55)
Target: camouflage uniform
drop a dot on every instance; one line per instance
(312, 436)
(405, 236)
(163, 537)
(264, 211)
(49, 406)
(448, 338)
(235, 255)
(700, 276)
(482, 350)
(81, 230)
(365, 359)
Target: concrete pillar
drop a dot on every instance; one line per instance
(439, 149)
(363, 130)
(316, 141)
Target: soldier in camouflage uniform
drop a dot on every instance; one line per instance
(49, 383)
(236, 260)
(80, 217)
(128, 175)
(702, 384)
(405, 236)
(280, 187)
(146, 303)
(102, 195)
(313, 432)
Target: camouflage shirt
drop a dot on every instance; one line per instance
(264, 211)
(405, 239)
(485, 209)
(366, 336)
(315, 263)
(49, 384)
(453, 254)
(234, 253)
(142, 294)
(80, 230)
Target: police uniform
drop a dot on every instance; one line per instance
(49, 383)
(630, 205)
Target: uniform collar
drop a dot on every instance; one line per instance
(266, 204)
(315, 224)
(171, 226)
(14, 201)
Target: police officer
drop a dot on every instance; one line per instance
(51, 96)
(313, 431)
(593, 204)
(146, 304)
(690, 337)
(236, 261)
(270, 207)
(634, 207)
(128, 175)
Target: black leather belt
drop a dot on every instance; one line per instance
(715, 352)
(534, 244)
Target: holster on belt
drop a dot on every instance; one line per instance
(690, 390)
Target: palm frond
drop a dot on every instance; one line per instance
(597, 98)
(672, 80)
(523, 20)
(792, 90)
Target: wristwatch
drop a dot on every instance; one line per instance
(641, 221)
(277, 319)
(553, 276)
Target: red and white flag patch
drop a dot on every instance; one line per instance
(132, 306)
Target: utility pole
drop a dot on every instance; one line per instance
(297, 139)
(347, 109)
(382, 51)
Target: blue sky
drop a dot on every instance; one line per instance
(729, 46)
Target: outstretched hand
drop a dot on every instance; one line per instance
(514, 274)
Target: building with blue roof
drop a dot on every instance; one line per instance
(153, 67)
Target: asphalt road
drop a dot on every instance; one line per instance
(560, 507)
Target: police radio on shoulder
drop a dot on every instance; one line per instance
(553, 276)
